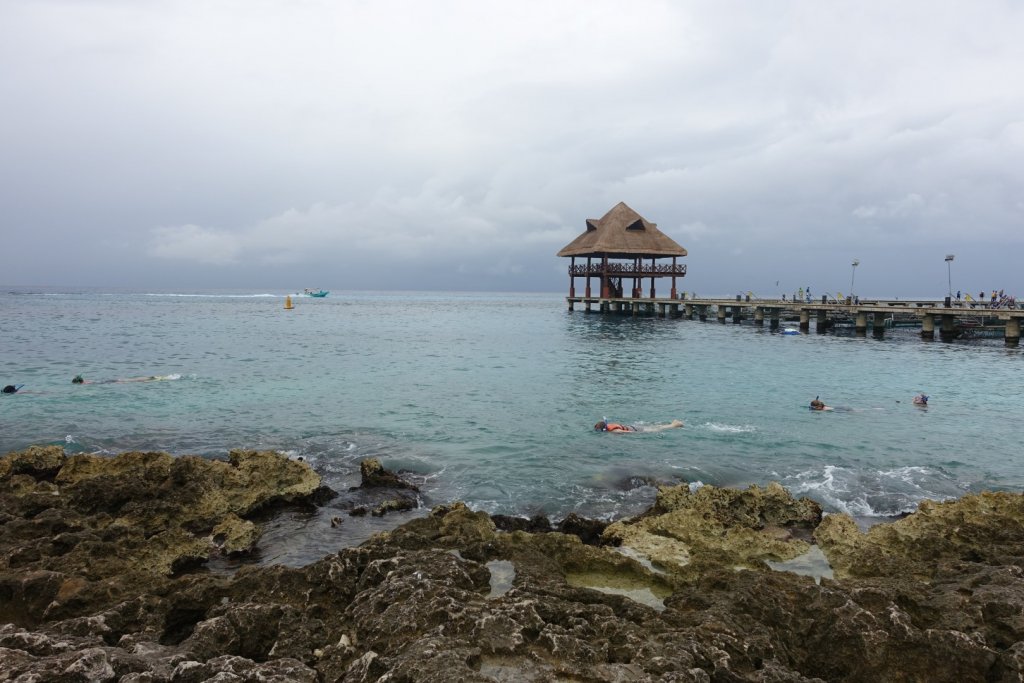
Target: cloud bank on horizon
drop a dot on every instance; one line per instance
(459, 145)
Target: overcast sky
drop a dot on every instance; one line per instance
(459, 145)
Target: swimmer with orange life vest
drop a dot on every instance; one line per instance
(606, 426)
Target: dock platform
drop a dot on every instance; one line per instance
(951, 317)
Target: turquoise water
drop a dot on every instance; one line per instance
(491, 398)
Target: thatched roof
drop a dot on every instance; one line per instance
(622, 233)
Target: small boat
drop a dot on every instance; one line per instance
(319, 294)
(790, 330)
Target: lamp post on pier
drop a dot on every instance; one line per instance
(949, 273)
(853, 274)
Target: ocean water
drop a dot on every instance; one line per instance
(491, 399)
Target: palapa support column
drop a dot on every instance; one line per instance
(674, 278)
(821, 324)
(928, 326)
(572, 279)
(1012, 333)
(805, 320)
(948, 331)
(721, 314)
(759, 317)
(588, 278)
(860, 326)
(653, 270)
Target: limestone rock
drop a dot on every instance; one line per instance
(91, 588)
(719, 526)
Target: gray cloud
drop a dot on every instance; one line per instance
(263, 144)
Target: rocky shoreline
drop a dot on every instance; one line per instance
(105, 576)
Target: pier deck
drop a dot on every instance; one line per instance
(954, 317)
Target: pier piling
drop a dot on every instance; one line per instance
(948, 331)
(860, 325)
(1012, 334)
(928, 326)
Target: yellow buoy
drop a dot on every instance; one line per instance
(288, 303)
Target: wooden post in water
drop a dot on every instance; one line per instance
(948, 331)
(928, 326)
(1012, 334)
(572, 279)
(860, 326)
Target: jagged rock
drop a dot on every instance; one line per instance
(985, 528)
(375, 476)
(234, 535)
(399, 504)
(39, 462)
(535, 525)
(84, 594)
(718, 526)
(588, 530)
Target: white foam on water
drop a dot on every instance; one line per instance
(727, 428)
(213, 296)
(868, 493)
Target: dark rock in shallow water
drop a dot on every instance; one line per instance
(398, 504)
(588, 530)
(85, 593)
(375, 476)
(535, 525)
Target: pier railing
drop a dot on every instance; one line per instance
(627, 270)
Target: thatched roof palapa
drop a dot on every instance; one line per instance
(622, 233)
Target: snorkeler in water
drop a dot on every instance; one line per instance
(818, 404)
(11, 388)
(605, 426)
(78, 379)
(921, 400)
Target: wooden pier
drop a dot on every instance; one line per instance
(951, 317)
